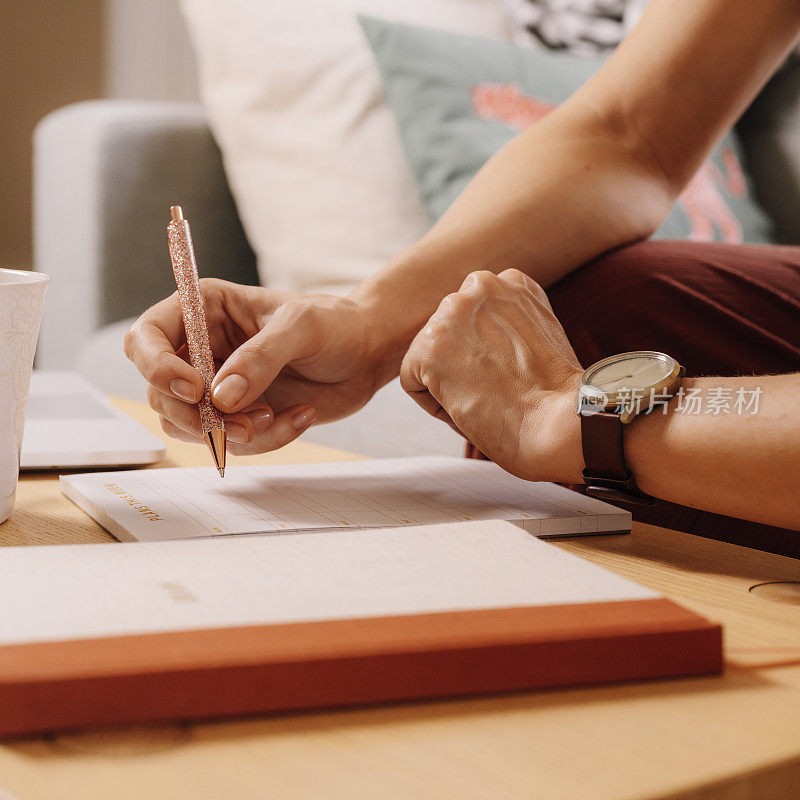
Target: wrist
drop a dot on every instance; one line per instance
(395, 303)
(386, 341)
(654, 440)
(554, 436)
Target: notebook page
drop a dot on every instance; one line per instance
(156, 504)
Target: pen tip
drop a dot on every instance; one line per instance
(216, 441)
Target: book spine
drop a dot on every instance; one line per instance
(32, 706)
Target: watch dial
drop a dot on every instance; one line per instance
(630, 372)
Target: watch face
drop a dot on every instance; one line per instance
(630, 371)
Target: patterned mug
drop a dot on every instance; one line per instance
(21, 306)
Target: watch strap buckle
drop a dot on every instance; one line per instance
(616, 490)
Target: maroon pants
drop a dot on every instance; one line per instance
(718, 309)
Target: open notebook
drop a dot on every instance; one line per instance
(116, 633)
(157, 504)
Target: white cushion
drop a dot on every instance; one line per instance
(312, 153)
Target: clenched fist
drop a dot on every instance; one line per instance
(495, 364)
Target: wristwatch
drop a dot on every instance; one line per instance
(613, 392)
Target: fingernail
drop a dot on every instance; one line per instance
(303, 417)
(183, 389)
(230, 390)
(261, 418)
(236, 432)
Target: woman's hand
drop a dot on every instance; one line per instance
(495, 364)
(287, 361)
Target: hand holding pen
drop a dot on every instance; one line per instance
(307, 357)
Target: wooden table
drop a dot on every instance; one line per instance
(732, 737)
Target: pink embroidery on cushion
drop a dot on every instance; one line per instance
(706, 207)
(735, 181)
(701, 200)
(506, 102)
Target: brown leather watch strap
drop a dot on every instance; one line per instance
(603, 454)
(606, 473)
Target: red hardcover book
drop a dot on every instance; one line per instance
(110, 634)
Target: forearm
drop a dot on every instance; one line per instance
(559, 194)
(736, 463)
(600, 171)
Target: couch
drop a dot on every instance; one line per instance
(106, 172)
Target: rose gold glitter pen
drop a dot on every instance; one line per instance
(184, 266)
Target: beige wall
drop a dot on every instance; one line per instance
(51, 53)
(54, 52)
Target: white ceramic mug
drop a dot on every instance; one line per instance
(21, 306)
